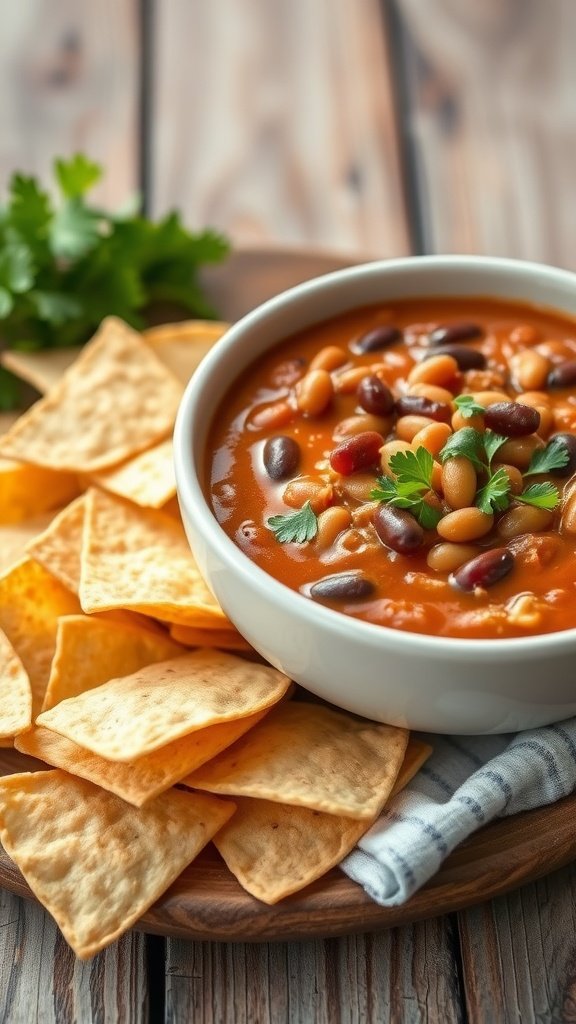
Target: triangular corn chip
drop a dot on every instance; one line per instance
(14, 539)
(40, 369)
(228, 639)
(129, 717)
(94, 862)
(26, 491)
(140, 560)
(182, 346)
(148, 479)
(311, 756)
(116, 400)
(15, 692)
(59, 547)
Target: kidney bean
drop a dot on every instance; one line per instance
(287, 373)
(281, 457)
(568, 441)
(398, 529)
(376, 339)
(342, 586)
(512, 419)
(485, 570)
(467, 358)
(375, 396)
(449, 333)
(419, 405)
(563, 375)
(356, 452)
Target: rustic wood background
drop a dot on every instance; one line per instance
(366, 127)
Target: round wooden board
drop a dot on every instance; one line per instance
(207, 902)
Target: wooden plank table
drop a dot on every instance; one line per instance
(348, 125)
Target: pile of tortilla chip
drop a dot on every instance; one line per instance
(117, 671)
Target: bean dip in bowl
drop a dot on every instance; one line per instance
(376, 472)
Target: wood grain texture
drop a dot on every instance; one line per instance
(69, 81)
(41, 979)
(274, 120)
(519, 954)
(404, 976)
(492, 120)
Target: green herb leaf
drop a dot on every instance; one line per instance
(465, 442)
(295, 527)
(554, 456)
(9, 391)
(77, 175)
(491, 442)
(414, 468)
(386, 490)
(468, 406)
(65, 265)
(494, 496)
(541, 495)
(427, 516)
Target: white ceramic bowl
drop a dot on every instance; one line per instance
(424, 682)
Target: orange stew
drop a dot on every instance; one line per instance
(413, 465)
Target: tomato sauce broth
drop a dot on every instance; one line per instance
(536, 595)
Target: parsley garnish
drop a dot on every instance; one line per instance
(413, 478)
(66, 265)
(465, 442)
(296, 527)
(541, 495)
(494, 496)
(554, 456)
(468, 406)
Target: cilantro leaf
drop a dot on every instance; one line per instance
(468, 406)
(295, 527)
(491, 442)
(65, 264)
(413, 477)
(554, 456)
(465, 442)
(542, 495)
(77, 175)
(494, 496)
(414, 468)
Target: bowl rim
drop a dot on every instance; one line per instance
(192, 497)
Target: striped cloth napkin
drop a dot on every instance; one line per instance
(467, 781)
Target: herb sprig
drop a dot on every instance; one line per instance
(413, 478)
(297, 527)
(65, 265)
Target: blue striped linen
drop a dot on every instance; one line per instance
(467, 781)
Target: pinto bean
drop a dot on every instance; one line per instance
(465, 524)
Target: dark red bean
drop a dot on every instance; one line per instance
(563, 375)
(357, 452)
(512, 419)
(376, 339)
(374, 396)
(467, 358)
(449, 333)
(484, 570)
(343, 586)
(418, 405)
(281, 457)
(568, 442)
(398, 529)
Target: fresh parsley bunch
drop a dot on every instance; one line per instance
(65, 265)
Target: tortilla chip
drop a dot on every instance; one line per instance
(182, 346)
(140, 780)
(40, 369)
(227, 639)
(14, 539)
(31, 601)
(7, 420)
(141, 560)
(147, 480)
(417, 753)
(94, 862)
(15, 692)
(129, 717)
(26, 491)
(58, 548)
(275, 850)
(90, 651)
(116, 400)
(308, 755)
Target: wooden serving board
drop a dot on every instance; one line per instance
(207, 902)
